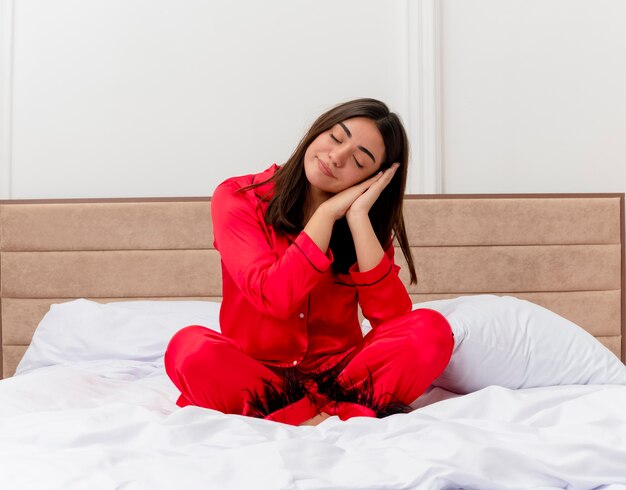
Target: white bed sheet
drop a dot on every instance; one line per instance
(114, 424)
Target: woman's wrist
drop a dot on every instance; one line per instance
(329, 212)
(356, 216)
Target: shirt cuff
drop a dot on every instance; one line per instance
(372, 276)
(318, 259)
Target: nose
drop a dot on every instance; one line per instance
(338, 156)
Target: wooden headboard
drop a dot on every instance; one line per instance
(563, 251)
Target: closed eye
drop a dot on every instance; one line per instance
(338, 141)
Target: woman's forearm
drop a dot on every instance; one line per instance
(369, 251)
(320, 227)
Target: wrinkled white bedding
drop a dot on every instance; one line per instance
(114, 424)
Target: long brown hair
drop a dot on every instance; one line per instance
(286, 208)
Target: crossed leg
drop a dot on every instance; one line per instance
(397, 362)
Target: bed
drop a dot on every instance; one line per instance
(92, 289)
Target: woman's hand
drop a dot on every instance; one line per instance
(355, 200)
(364, 202)
(359, 198)
(338, 205)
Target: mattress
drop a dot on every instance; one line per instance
(114, 424)
(533, 399)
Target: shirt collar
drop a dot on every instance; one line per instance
(265, 191)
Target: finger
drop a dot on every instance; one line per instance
(367, 183)
(375, 177)
(387, 175)
(376, 188)
(392, 169)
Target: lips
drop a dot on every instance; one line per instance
(325, 169)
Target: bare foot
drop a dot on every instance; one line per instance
(317, 419)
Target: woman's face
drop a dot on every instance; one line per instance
(346, 154)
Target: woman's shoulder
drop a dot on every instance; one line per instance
(234, 184)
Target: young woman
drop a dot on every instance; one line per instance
(303, 245)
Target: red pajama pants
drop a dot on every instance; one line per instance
(400, 358)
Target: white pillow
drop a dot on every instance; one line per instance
(506, 341)
(84, 330)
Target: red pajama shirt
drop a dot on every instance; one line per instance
(283, 307)
(281, 301)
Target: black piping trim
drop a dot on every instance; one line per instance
(376, 282)
(305, 255)
(345, 284)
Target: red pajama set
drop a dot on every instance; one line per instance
(285, 314)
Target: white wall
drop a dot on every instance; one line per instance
(534, 95)
(131, 98)
(115, 98)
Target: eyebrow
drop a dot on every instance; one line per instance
(362, 148)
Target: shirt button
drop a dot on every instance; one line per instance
(301, 315)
